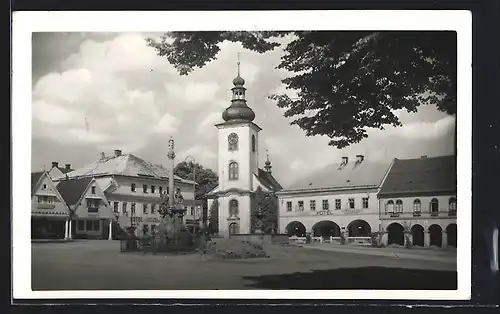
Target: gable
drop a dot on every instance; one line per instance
(93, 203)
(71, 190)
(46, 199)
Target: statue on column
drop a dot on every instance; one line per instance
(178, 198)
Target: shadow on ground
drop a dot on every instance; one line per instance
(360, 278)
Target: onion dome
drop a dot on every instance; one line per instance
(238, 81)
(238, 111)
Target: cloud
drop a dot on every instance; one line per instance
(132, 99)
(168, 125)
(202, 154)
(208, 122)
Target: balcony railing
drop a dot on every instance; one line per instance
(92, 209)
(45, 206)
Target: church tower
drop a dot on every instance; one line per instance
(238, 162)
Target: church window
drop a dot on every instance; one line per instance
(253, 143)
(233, 208)
(233, 171)
(233, 141)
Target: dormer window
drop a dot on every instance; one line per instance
(44, 187)
(92, 190)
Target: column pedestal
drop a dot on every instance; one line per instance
(444, 240)
(427, 239)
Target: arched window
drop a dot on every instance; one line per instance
(399, 206)
(232, 140)
(233, 170)
(233, 208)
(389, 206)
(452, 202)
(253, 143)
(417, 206)
(434, 206)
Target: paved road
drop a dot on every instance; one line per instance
(98, 265)
(443, 256)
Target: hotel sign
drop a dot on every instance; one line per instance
(324, 213)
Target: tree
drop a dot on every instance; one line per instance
(347, 82)
(204, 176)
(265, 209)
(213, 220)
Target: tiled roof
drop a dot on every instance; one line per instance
(366, 174)
(35, 177)
(430, 174)
(268, 180)
(72, 189)
(126, 165)
(202, 190)
(64, 170)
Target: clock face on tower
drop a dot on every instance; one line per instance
(233, 139)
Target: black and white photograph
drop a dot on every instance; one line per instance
(241, 156)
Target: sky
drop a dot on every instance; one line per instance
(97, 92)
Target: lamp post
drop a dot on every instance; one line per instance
(193, 161)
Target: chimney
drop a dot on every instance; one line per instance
(359, 159)
(68, 166)
(345, 160)
(55, 164)
(103, 155)
(118, 152)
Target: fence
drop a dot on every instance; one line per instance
(365, 241)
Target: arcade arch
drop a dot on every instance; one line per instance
(296, 228)
(326, 229)
(435, 232)
(359, 228)
(418, 235)
(395, 234)
(451, 232)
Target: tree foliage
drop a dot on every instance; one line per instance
(213, 220)
(265, 210)
(347, 82)
(204, 176)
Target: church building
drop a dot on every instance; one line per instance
(239, 172)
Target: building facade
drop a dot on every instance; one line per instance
(419, 198)
(239, 172)
(132, 188)
(49, 213)
(341, 198)
(91, 215)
